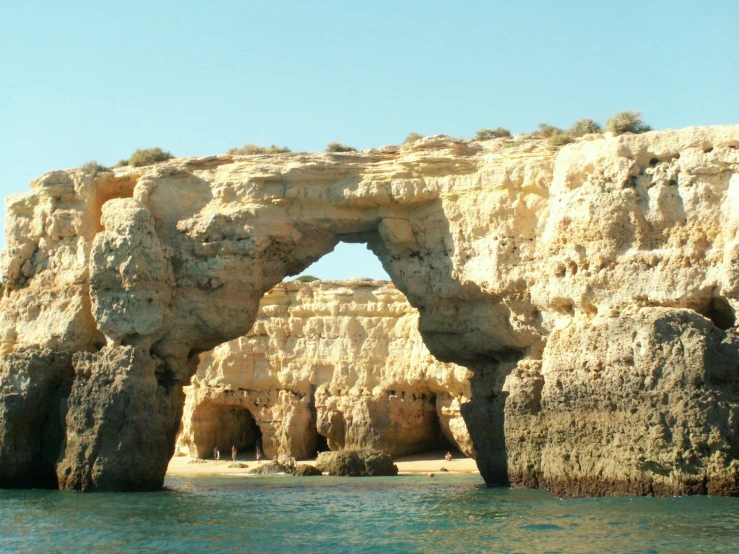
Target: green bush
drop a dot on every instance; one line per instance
(250, 149)
(93, 168)
(487, 134)
(122, 163)
(628, 121)
(413, 137)
(273, 149)
(307, 279)
(545, 130)
(584, 127)
(560, 139)
(148, 156)
(338, 147)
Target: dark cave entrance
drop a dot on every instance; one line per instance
(321, 443)
(223, 426)
(408, 423)
(719, 311)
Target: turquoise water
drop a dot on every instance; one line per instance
(323, 514)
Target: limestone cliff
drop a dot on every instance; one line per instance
(338, 364)
(592, 291)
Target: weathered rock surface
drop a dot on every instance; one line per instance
(339, 360)
(306, 470)
(591, 290)
(271, 468)
(33, 387)
(356, 463)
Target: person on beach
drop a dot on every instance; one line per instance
(448, 457)
(233, 452)
(259, 454)
(216, 454)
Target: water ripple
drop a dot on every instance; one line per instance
(404, 514)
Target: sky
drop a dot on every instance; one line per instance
(95, 80)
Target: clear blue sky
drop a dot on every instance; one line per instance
(83, 80)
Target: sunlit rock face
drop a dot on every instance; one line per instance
(591, 290)
(335, 364)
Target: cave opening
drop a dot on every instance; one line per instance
(719, 311)
(223, 426)
(321, 443)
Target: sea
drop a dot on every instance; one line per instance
(285, 514)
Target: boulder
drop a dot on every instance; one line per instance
(271, 468)
(306, 470)
(356, 463)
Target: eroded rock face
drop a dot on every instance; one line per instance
(34, 385)
(120, 418)
(592, 291)
(342, 361)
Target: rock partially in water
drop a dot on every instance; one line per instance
(356, 463)
(271, 468)
(306, 471)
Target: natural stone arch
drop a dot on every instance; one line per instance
(519, 257)
(338, 360)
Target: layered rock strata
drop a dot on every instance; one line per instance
(327, 365)
(592, 291)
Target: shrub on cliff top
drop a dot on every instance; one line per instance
(487, 134)
(411, 138)
(250, 149)
(584, 127)
(93, 168)
(560, 139)
(307, 279)
(545, 130)
(338, 147)
(628, 121)
(147, 156)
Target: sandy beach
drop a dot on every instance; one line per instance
(427, 462)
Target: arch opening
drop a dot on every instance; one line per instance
(333, 364)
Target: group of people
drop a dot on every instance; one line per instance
(234, 451)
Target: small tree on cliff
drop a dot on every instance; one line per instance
(339, 147)
(307, 279)
(584, 127)
(412, 137)
(147, 156)
(545, 130)
(560, 139)
(628, 121)
(93, 168)
(487, 134)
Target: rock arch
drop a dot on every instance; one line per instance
(340, 361)
(566, 280)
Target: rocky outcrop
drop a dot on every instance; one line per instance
(356, 463)
(591, 290)
(307, 470)
(329, 365)
(271, 468)
(33, 387)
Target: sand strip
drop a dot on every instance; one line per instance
(408, 465)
